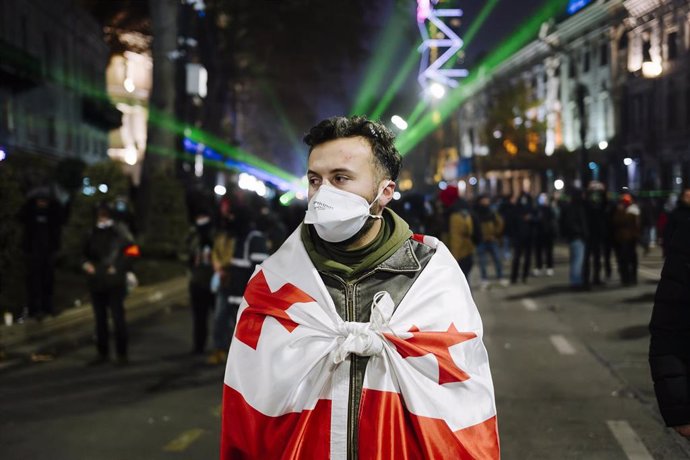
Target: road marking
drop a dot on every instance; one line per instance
(562, 345)
(649, 274)
(633, 447)
(529, 304)
(183, 441)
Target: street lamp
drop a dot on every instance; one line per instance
(399, 123)
(437, 90)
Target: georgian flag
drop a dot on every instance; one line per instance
(427, 389)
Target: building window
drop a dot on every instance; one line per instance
(603, 54)
(672, 46)
(623, 42)
(646, 50)
(572, 71)
(585, 61)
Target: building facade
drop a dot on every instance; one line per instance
(606, 97)
(53, 99)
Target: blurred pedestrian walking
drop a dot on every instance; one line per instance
(199, 246)
(626, 235)
(42, 218)
(574, 229)
(108, 255)
(491, 226)
(523, 235)
(546, 229)
(670, 334)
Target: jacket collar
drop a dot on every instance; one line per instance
(402, 260)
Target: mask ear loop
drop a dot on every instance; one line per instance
(376, 199)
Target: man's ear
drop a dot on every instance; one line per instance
(387, 194)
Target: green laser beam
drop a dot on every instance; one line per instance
(417, 112)
(290, 131)
(409, 138)
(478, 22)
(395, 85)
(380, 62)
(156, 117)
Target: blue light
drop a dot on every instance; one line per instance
(576, 5)
(593, 165)
(192, 148)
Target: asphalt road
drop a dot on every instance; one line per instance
(570, 371)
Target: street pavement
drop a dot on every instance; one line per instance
(570, 371)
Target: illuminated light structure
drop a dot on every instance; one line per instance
(419, 129)
(431, 71)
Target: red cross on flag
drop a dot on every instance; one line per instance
(427, 389)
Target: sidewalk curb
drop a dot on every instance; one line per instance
(76, 324)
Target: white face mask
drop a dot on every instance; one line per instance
(338, 215)
(105, 223)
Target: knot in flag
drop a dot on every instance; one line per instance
(365, 339)
(360, 339)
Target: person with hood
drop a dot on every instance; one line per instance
(626, 235)
(199, 246)
(574, 229)
(463, 234)
(523, 236)
(108, 255)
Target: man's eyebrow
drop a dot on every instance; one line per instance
(333, 171)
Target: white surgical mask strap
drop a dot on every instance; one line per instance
(376, 199)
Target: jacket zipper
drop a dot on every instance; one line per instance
(350, 315)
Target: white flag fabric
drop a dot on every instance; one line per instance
(427, 388)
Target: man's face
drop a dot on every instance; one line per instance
(347, 164)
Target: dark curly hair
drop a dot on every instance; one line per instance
(387, 158)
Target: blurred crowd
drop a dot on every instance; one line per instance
(604, 232)
(511, 238)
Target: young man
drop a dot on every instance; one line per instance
(357, 339)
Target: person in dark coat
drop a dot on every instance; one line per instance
(108, 254)
(546, 228)
(42, 218)
(679, 215)
(669, 349)
(574, 229)
(596, 209)
(199, 247)
(523, 235)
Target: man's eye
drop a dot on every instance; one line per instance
(314, 181)
(340, 179)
